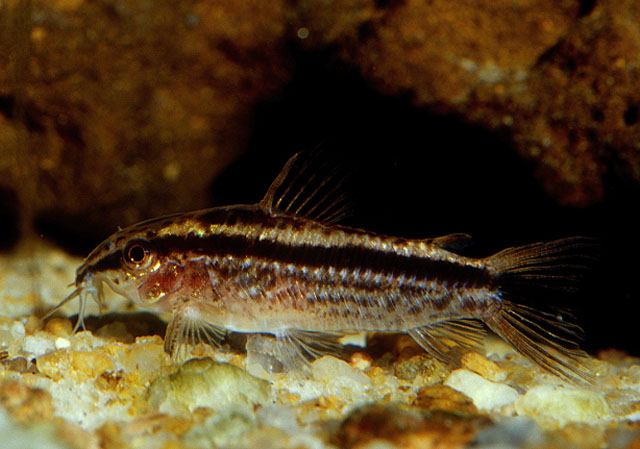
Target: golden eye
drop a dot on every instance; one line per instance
(137, 254)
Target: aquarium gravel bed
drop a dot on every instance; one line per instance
(113, 386)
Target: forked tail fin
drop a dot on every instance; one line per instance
(534, 274)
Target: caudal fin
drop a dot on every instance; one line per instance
(530, 277)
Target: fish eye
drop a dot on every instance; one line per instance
(137, 254)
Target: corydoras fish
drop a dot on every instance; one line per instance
(285, 267)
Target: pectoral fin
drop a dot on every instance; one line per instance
(184, 330)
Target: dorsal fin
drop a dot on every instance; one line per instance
(309, 186)
(452, 241)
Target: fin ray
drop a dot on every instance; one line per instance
(309, 187)
(466, 335)
(563, 362)
(297, 348)
(183, 331)
(452, 241)
(535, 272)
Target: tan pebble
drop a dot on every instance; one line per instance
(60, 327)
(484, 367)
(111, 436)
(25, 404)
(115, 331)
(89, 364)
(32, 324)
(330, 402)
(360, 361)
(78, 438)
(54, 364)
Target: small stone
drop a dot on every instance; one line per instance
(80, 365)
(431, 370)
(511, 433)
(339, 376)
(144, 357)
(441, 397)
(205, 383)
(17, 330)
(376, 426)
(226, 429)
(37, 344)
(261, 360)
(88, 365)
(62, 343)
(558, 406)
(481, 365)
(360, 361)
(115, 331)
(17, 364)
(60, 327)
(486, 395)
(280, 417)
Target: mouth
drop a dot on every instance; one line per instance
(87, 285)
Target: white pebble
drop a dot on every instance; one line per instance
(485, 395)
(62, 343)
(17, 330)
(331, 369)
(37, 345)
(563, 405)
(340, 378)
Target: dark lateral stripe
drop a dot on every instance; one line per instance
(349, 257)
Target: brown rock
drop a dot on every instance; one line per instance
(407, 428)
(430, 369)
(444, 398)
(556, 77)
(111, 112)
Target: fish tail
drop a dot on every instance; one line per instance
(532, 280)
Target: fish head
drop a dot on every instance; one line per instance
(132, 263)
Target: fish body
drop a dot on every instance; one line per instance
(285, 267)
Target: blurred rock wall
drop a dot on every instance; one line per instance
(560, 77)
(112, 111)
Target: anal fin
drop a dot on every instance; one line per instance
(448, 340)
(185, 330)
(545, 341)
